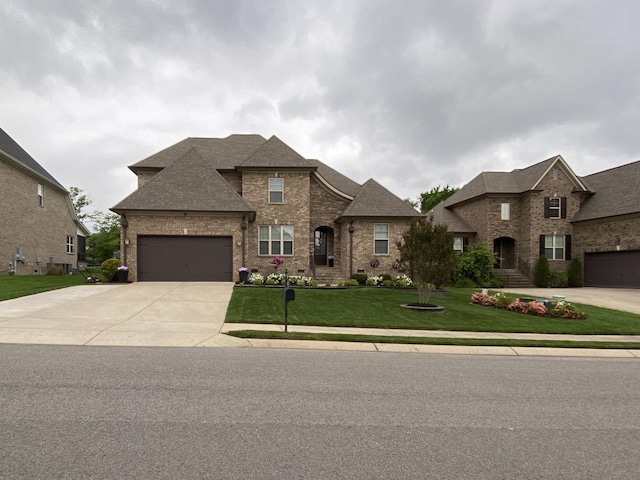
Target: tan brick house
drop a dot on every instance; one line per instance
(39, 226)
(546, 209)
(205, 207)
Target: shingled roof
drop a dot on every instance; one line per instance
(373, 200)
(617, 192)
(15, 153)
(513, 182)
(276, 154)
(336, 179)
(189, 183)
(444, 216)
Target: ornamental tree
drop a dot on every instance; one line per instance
(427, 250)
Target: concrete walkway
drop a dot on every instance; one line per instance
(192, 314)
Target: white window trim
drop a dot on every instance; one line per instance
(554, 246)
(282, 240)
(505, 211)
(458, 241)
(557, 209)
(375, 238)
(281, 191)
(70, 245)
(40, 195)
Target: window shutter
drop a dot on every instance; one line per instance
(563, 207)
(546, 207)
(465, 244)
(567, 247)
(542, 245)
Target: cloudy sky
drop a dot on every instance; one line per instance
(415, 93)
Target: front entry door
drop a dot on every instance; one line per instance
(320, 249)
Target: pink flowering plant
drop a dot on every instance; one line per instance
(277, 261)
(566, 310)
(501, 301)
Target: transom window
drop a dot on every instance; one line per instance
(276, 190)
(275, 239)
(554, 207)
(554, 247)
(381, 239)
(70, 248)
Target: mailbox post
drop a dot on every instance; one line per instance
(288, 294)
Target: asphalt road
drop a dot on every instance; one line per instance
(153, 413)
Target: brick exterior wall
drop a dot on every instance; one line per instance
(307, 206)
(605, 235)
(180, 224)
(40, 231)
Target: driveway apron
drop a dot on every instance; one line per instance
(143, 314)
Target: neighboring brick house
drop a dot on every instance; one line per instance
(39, 225)
(546, 209)
(205, 207)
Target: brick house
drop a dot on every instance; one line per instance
(39, 225)
(205, 207)
(546, 209)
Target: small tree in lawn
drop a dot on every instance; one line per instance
(427, 250)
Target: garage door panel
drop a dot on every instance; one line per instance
(185, 258)
(619, 269)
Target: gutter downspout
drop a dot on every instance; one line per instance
(243, 227)
(125, 241)
(351, 230)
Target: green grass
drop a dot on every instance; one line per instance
(506, 342)
(14, 286)
(380, 308)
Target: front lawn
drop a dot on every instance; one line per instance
(14, 286)
(380, 308)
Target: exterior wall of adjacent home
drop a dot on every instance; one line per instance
(606, 235)
(41, 232)
(325, 208)
(293, 211)
(363, 246)
(178, 225)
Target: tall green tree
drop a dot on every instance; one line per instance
(427, 250)
(430, 199)
(79, 200)
(106, 238)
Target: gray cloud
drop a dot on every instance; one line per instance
(414, 93)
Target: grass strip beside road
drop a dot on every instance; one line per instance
(484, 342)
(380, 308)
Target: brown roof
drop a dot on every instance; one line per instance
(445, 216)
(221, 153)
(189, 183)
(373, 200)
(14, 152)
(616, 192)
(274, 153)
(336, 179)
(513, 182)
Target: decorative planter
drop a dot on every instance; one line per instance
(244, 277)
(122, 276)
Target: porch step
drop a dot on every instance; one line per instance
(513, 278)
(328, 274)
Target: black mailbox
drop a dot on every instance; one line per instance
(288, 294)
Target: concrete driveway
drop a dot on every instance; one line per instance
(143, 314)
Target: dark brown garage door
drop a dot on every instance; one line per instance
(612, 269)
(185, 259)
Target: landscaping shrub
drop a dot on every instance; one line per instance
(543, 272)
(557, 279)
(361, 278)
(109, 268)
(574, 274)
(566, 310)
(465, 283)
(476, 264)
(55, 270)
(496, 282)
(386, 276)
(352, 282)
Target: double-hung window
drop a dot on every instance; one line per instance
(276, 190)
(381, 239)
(275, 239)
(70, 248)
(555, 247)
(555, 207)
